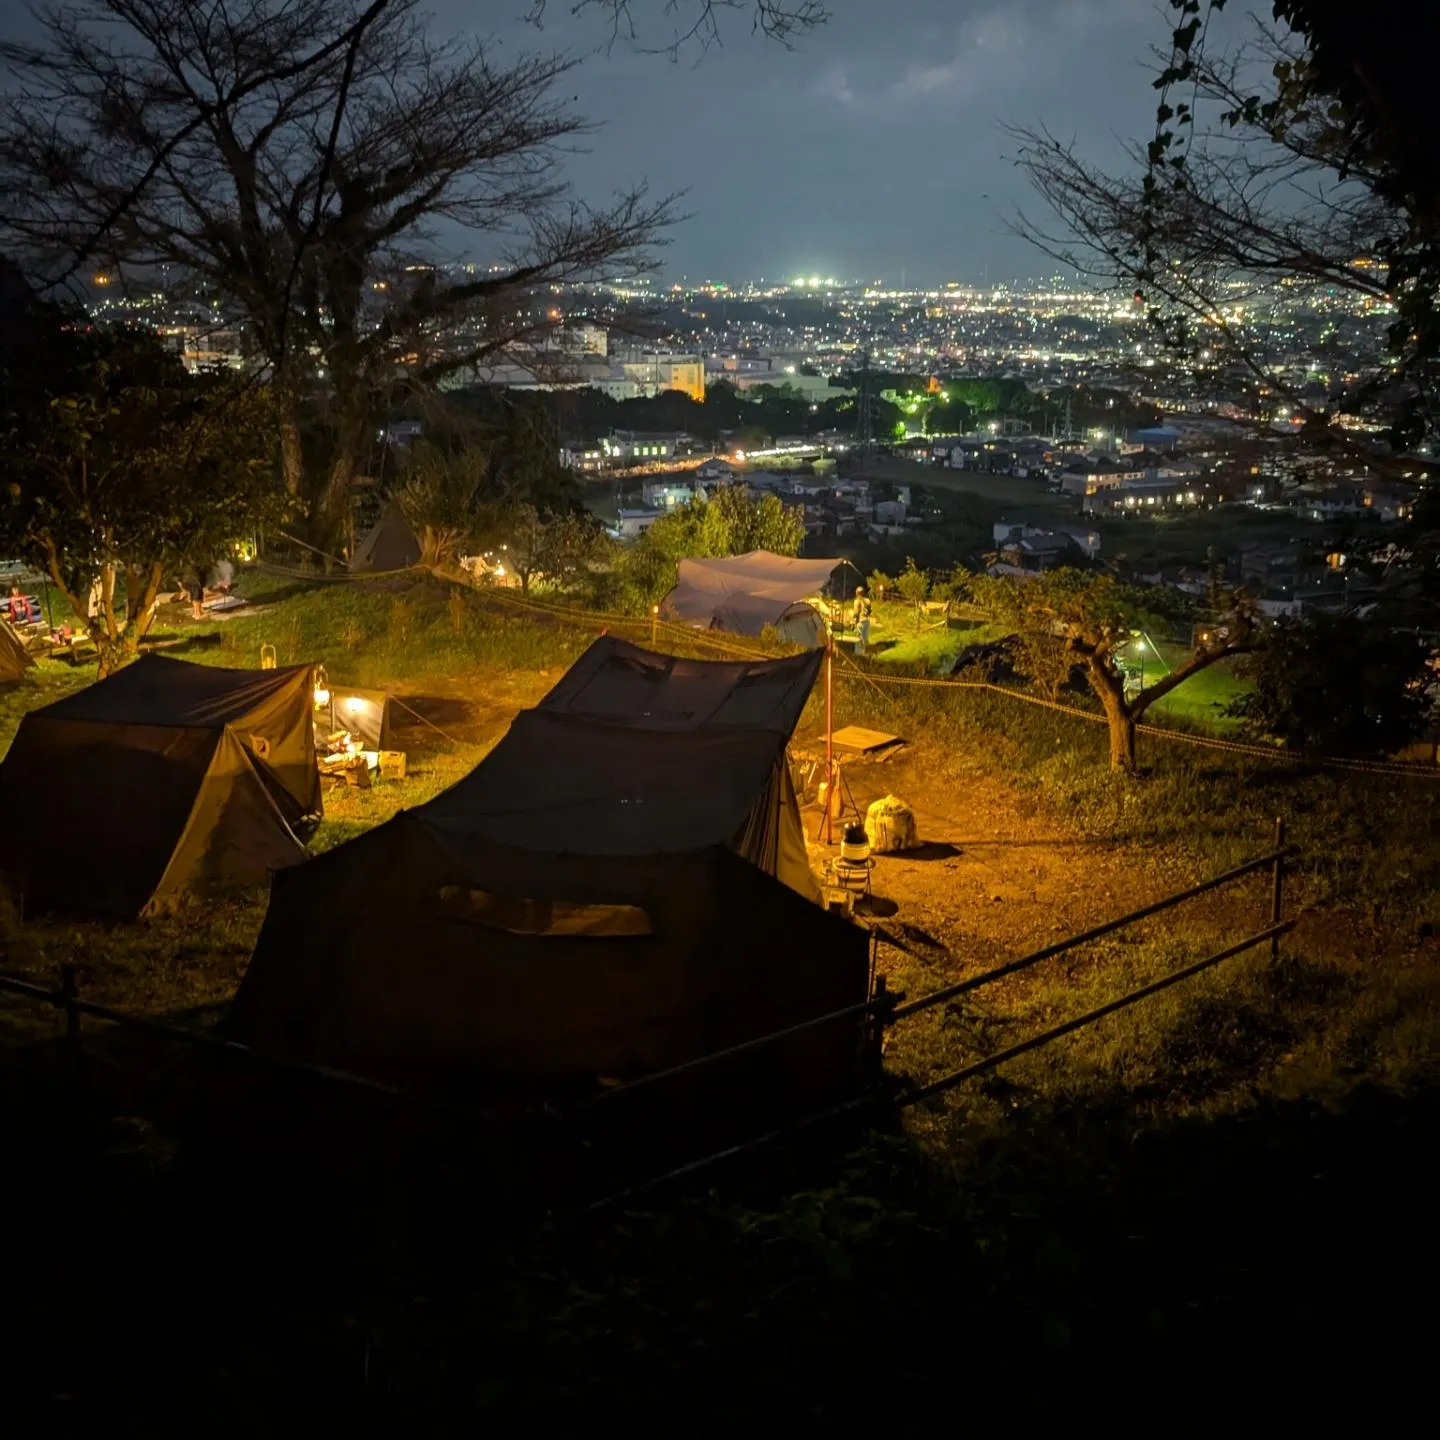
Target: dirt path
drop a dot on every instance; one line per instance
(996, 877)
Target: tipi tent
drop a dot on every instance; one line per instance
(391, 545)
(164, 780)
(14, 662)
(619, 886)
(745, 593)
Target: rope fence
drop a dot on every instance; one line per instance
(742, 648)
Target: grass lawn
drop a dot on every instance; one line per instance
(1198, 703)
(1239, 1167)
(898, 642)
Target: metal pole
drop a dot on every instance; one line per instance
(829, 732)
(1277, 885)
(654, 625)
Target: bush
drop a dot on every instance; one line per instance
(1336, 686)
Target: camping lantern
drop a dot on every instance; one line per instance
(855, 845)
(267, 657)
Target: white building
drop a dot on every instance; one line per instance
(631, 524)
(666, 494)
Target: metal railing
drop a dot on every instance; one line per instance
(882, 1010)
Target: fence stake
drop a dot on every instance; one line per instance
(1277, 886)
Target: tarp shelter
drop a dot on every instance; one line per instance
(164, 780)
(745, 593)
(365, 713)
(390, 545)
(14, 662)
(621, 885)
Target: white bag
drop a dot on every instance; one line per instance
(890, 824)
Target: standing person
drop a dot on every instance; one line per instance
(862, 620)
(197, 593)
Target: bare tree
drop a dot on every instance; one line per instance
(694, 22)
(297, 158)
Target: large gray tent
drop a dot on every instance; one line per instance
(745, 593)
(621, 885)
(167, 779)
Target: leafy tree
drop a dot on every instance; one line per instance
(734, 524)
(728, 523)
(557, 548)
(122, 468)
(438, 498)
(1067, 618)
(879, 584)
(914, 586)
(1337, 686)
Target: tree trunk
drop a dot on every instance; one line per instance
(1122, 740)
(116, 652)
(1119, 716)
(292, 459)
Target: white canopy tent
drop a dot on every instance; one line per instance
(745, 593)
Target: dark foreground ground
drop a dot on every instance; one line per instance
(1230, 1270)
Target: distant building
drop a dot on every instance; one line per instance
(625, 447)
(1156, 437)
(1085, 542)
(666, 494)
(402, 432)
(587, 461)
(652, 372)
(1028, 550)
(715, 470)
(631, 524)
(889, 512)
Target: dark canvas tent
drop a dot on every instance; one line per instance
(391, 545)
(745, 593)
(164, 780)
(619, 886)
(14, 662)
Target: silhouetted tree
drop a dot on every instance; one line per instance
(121, 468)
(1067, 618)
(1337, 686)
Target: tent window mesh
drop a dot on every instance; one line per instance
(519, 915)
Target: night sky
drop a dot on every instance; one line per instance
(874, 144)
(872, 149)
